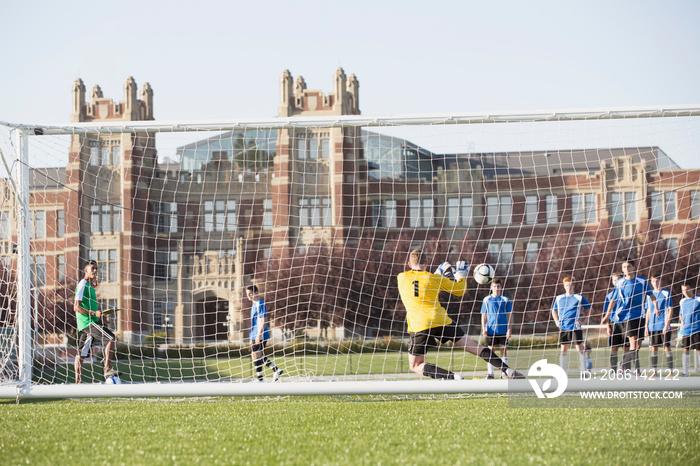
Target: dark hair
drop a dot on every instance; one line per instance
(497, 281)
(89, 263)
(252, 288)
(630, 262)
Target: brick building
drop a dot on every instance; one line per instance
(177, 242)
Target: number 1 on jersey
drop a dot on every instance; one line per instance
(416, 290)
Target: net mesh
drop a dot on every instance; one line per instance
(321, 219)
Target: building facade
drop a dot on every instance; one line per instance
(177, 242)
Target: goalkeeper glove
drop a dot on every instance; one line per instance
(462, 270)
(447, 270)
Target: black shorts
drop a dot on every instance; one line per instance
(418, 341)
(259, 347)
(659, 338)
(495, 340)
(633, 328)
(571, 336)
(617, 337)
(691, 342)
(93, 333)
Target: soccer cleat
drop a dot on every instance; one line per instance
(458, 376)
(278, 374)
(489, 377)
(112, 373)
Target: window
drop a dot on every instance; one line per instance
(459, 212)
(663, 206)
(552, 209)
(104, 153)
(107, 264)
(4, 225)
(219, 216)
(499, 211)
(616, 208)
(166, 265)
(312, 146)
(630, 207)
(267, 214)
(105, 218)
(695, 205)
(577, 206)
(165, 218)
(502, 255)
(531, 210)
(60, 268)
(60, 223)
(38, 218)
(591, 208)
(38, 270)
(532, 250)
(314, 212)
(583, 208)
(421, 213)
(390, 214)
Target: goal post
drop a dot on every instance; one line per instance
(320, 214)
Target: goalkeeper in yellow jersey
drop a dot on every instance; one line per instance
(428, 321)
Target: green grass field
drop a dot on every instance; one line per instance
(326, 365)
(322, 430)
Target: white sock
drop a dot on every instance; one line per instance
(582, 362)
(562, 362)
(686, 363)
(490, 368)
(697, 360)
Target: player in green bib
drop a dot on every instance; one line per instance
(90, 331)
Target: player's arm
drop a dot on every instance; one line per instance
(261, 325)
(78, 306)
(510, 320)
(656, 304)
(608, 312)
(457, 288)
(555, 316)
(647, 317)
(484, 317)
(669, 316)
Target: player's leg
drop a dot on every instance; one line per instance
(470, 346)
(277, 372)
(686, 361)
(563, 356)
(654, 351)
(581, 357)
(489, 366)
(418, 347)
(256, 355)
(78, 366)
(106, 336)
(667, 350)
(504, 354)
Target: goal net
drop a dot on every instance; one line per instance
(320, 214)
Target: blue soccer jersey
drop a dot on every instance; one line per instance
(665, 303)
(496, 310)
(569, 310)
(630, 295)
(257, 313)
(690, 315)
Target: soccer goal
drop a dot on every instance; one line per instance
(198, 230)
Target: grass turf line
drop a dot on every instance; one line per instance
(322, 430)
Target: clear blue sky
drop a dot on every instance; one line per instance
(210, 60)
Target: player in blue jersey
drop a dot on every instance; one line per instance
(496, 314)
(566, 312)
(659, 326)
(690, 324)
(259, 334)
(614, 329)
(630, 293)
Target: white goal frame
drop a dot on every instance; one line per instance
(25, 389)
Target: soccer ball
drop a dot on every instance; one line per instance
(483, 274)
(113, 380)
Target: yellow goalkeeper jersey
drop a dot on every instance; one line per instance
(419, 290)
